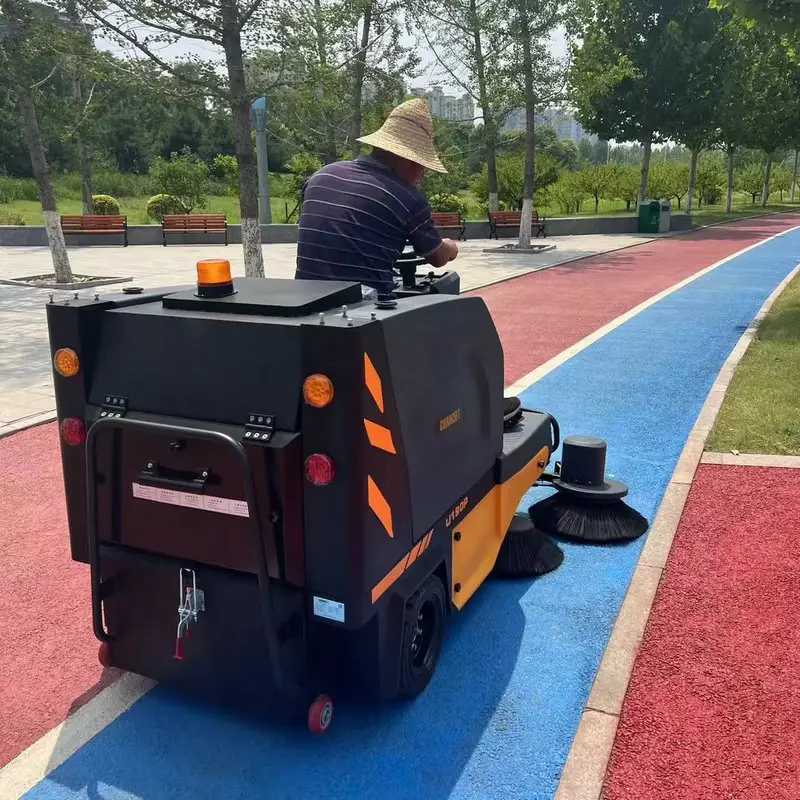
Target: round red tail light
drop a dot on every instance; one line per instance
(73, 431)
(319, 469)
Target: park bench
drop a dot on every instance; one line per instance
(450, 220)
(107, 224)
(194, 223)
(512, 219)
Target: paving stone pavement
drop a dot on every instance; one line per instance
(26, 387)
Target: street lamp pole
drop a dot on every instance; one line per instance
(258, 109)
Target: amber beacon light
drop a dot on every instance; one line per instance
(214, 278)
(318, 390)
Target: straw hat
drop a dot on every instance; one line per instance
(408, 133)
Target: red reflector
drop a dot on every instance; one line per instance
(319, 469)
(73, 430)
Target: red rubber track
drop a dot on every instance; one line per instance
(48, 664)
(713, 708)
(541, 314)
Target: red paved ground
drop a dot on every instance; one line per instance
(713, 709)
(48, 653)
(543, 313)
(48, 659)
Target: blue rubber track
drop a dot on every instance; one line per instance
(501, 713)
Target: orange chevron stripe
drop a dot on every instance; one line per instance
(373, 382)
(379, 436)
(379, 505)
(400, 567)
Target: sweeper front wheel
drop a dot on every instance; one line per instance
(423, 631)
(104, 654)
(320, 714)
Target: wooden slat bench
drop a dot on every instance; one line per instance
(109, 224)
(194, 223)
(512, 219)
(451, 220)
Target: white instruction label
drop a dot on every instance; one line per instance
(203, 502)
(329, 609)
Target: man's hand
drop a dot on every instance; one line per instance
(444, 254)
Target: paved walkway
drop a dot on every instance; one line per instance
(26, 389)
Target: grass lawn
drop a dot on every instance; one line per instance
(134, 207)
(761, 411)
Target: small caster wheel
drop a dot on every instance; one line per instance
(320, 714)
(104, 654)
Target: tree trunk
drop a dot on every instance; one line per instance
(489, 124)
(647, 147)
(692, 179)
(16, 36)
(767, 174)
(330, 154)
(596, 203)
(729, 190)
(358, 80)
(794, 173)
(80, 146)
(530, 129)
(243, 142)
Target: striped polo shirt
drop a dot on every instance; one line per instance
(356, 218)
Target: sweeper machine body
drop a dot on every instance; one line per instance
(282, 490)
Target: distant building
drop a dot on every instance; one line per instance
(562, 122)
(446, 106)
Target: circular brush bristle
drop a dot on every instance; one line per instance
(567, 518)
(526, 553)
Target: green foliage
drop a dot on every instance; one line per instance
(567, 192)
(709, 180)
(510, 178)
(18, 189)
(11, 217)
(781, 180)
(668, 181)
(184, 176)
(750, 180)
(226, 170)
(598, 182)
(440, 183)
(447, 202)
(301, 168)
(626, 185)
(104, 204)
(162, 204)
(781, 15)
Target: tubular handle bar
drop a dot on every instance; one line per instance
(94, 544)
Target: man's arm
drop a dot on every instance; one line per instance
(427, 241)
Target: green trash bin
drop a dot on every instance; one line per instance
(649, 216)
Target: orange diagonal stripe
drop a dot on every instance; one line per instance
(373, 382)
(379, 436)
(412, 556)
(426, 541)
(378, 503)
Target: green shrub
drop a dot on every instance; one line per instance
(18, 189)
(447, 202)
(483, 208)
(302, 167)
(67, 186)
(225, 170)
(11, 217)
(122, 184)
(184, 176)
(161, 204)
(104, 204)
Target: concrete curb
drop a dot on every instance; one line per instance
(27, 422)
(585, 769)
(751, 460)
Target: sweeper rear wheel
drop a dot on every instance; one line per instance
(423, 631)
(104, 654)
(320, 714)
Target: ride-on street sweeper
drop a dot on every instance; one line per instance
(282, 489)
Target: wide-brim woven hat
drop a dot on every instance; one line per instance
(408, 133)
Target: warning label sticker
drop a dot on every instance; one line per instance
(202, 502)
(329, 609)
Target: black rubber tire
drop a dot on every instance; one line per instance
(428, 607)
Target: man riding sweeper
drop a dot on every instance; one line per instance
(283, 489)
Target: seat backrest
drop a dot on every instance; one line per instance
(506, 217)
(193, 221)
(91, 222)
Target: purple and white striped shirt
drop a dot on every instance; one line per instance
(356, 218)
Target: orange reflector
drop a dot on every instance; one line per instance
(214, 272)
(66, 362)
(318, 390)
(73, 430)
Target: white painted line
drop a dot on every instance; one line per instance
(585, 769)
(537, 374)
(55, 747)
